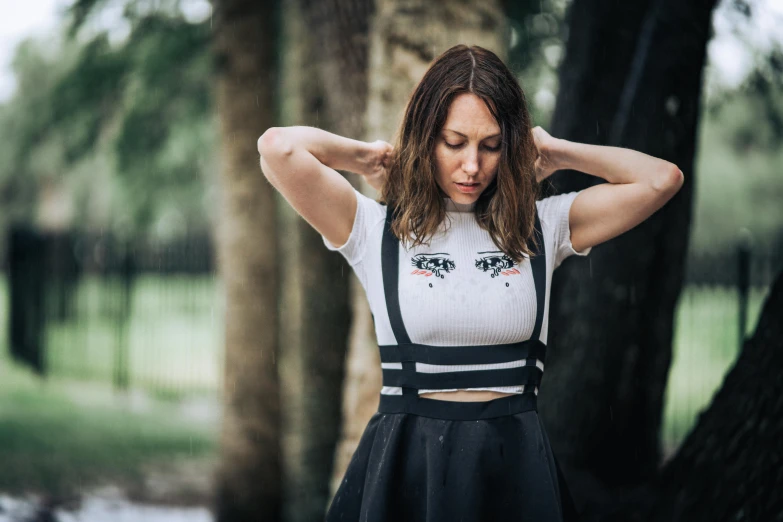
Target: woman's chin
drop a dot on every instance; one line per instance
(466, 197)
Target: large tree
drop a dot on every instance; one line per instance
(631, 77)
(248, 480)
(325, 78)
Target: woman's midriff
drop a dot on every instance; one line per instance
(465, 395)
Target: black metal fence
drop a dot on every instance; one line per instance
(149, 314)
(741, 270)
(138, 312)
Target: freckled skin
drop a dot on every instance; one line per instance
(473, 130)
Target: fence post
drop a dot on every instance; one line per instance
(27, 319)
(125, 269)
(743, 282)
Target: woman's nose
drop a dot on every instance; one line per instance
(470, 163)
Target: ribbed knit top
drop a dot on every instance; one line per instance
(459, 290)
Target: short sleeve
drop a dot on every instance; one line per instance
(368, 211)
(554, 212)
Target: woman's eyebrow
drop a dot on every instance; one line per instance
(485, 138)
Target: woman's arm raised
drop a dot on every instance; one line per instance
(300, 163)
(638, 186)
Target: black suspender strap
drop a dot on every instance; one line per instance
(390, 267)
(538, 264)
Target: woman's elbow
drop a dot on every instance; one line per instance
(678, 178)
(669, 181)
(274, 141)
(274, 148)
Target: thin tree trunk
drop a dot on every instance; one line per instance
(632, 78)
(326, 73)
(404, 39)
(248, 477)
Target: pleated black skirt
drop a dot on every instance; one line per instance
(414, 467)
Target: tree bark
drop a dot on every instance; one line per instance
(730, 467)
(248, 476)
(404, 39)
(631, 77)
(325, 75)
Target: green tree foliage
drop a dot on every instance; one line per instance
(538, 32)
(741, 151)
(126, 128)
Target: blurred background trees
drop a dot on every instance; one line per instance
(324, 74)
(113, 137)
(132, 132)
(248, 485)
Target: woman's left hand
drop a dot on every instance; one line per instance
(546, 145)
(379, 156)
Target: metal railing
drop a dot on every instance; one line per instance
(147, 314)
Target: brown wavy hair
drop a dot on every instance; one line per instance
(506, 207)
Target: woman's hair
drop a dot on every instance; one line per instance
(506, 207)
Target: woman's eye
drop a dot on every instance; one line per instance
(459, 145)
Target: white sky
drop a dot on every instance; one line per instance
(727, 54)
(20, 19)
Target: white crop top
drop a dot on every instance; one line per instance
(465, 297)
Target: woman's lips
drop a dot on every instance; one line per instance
(467, 188)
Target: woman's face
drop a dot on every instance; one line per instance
(467, 151)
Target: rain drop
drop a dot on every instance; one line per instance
(672, 105)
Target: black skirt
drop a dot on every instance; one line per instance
(497, 466)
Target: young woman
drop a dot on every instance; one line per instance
(456, 259)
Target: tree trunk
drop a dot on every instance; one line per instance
(631, 78)
(404, 39)
(325, 75)
(730, 467)
(248, 477)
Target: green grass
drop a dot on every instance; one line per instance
(173, 341)
(52, 442)
(72, 430)
(705, 347)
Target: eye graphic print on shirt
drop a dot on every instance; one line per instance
(496, 262)
(429, 264)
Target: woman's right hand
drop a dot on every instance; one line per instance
(378, 159)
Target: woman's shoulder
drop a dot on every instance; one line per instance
(552, 207)
(372, 209)
(370, 214)
(553, 211)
